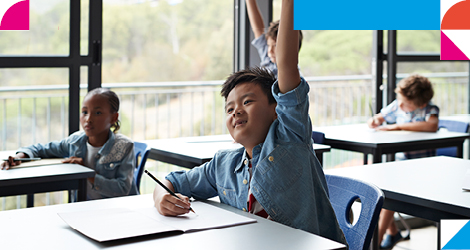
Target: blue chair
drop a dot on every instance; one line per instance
(318, 137)
(454, 126)
(140, 149)
(343, 192)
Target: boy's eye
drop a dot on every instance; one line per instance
(98, 112)
(247, 101)
(229, 110)
(84, 112)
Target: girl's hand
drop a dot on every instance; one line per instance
(388, 127)
(10, 163)
(169, 205)
(75, 160)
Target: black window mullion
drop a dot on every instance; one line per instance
(95, 44)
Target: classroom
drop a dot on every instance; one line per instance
(167, 61)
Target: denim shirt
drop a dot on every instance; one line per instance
(114, 166)
(288, 180)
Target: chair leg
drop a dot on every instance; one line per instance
(406, 226)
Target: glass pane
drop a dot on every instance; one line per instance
(33, 106)
(84, 23)
(168, 40)
(418, 41)
(49, 31)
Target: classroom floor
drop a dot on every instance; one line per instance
(420, 239)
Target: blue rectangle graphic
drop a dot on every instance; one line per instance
(367, 15)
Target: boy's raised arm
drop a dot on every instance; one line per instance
(256, 20)
(287, 49)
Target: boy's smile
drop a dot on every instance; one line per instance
(249, 115)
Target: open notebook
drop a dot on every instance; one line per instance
(119, 223)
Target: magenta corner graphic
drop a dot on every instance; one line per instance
(14, 14)
(455, 30)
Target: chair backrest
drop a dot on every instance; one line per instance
(343, 192)
(318, 137)
(454, 126)
(140, 149)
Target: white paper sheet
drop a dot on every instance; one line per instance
(118, 223)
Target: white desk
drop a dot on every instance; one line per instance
(42, 228)
(429, 188)
(40, 179)
(360, 138)
(194, 151)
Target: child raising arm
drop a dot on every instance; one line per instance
(276, 174)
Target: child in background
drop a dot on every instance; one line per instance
(413, 111)
(111, 155)
(265, 43)
(276, 174)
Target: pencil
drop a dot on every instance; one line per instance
(24, 159)
(165, 187)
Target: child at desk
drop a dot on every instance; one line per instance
(265, 43)
(111, 155)
(276, 174)
(413, 111)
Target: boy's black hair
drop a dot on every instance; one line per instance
(257, 75)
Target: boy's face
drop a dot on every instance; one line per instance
(249, 114)
(271, 49)
(406, 104)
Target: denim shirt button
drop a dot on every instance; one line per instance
(244, 209)
(225, 193)
(245, 161)
(111, 165)
(270, 158)
(245, 181)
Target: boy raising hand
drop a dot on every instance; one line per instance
(276, 174)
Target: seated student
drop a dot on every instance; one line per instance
(111, 155)
(276, 174)
(413, 111)
(265, 43)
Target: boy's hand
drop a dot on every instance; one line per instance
(75, 160)
(168, 205)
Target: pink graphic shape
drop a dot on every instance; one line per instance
(17, 17)
(449, 51)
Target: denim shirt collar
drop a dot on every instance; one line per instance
(80, 142)
(244, 161)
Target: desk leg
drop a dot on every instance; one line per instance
(320, 158)
(30, 200)
(438, 224)
(460, 151)
(82, 190)
(366, 156)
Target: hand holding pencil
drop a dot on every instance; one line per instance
(16, 160)
(167, 202)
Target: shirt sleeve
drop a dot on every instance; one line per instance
(198, 182)
(431, 109)
(55, 149)
(389, 112)
(261, 46)
(292, 113)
